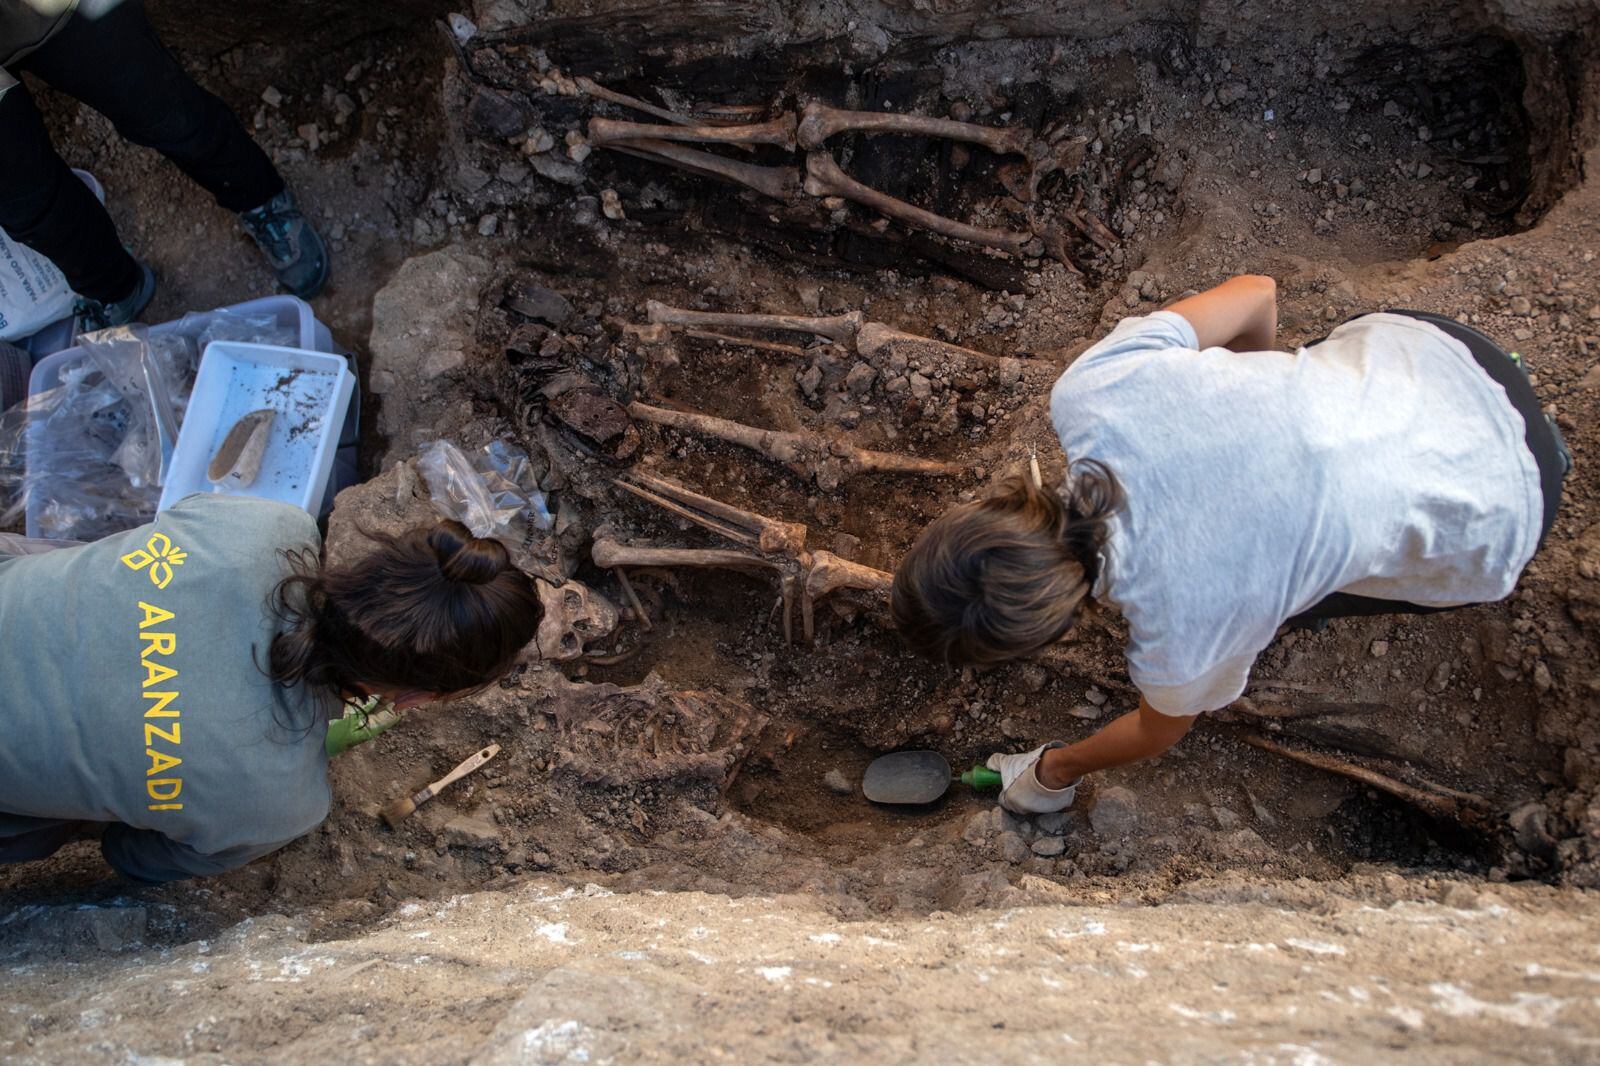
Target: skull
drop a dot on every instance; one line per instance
(574, 615)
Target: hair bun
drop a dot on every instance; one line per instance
(465, 558)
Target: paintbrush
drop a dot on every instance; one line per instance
(397, 811)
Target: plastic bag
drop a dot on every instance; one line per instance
(493, 492)
(33, 292)
(87, 453)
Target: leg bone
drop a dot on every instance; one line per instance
(769, 534)
(600, 92)
(840, 328)
(780, 132)
(779, 183)
(613, 554)
(824, 178)
(805, 453)
(1437, 800)
(875, 337)
(609, 554)
(741, 342)
(830, 572)
(819, 122)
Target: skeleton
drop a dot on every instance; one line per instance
(1344, 727)
(574, 615)
(612, 737)
(770, 546)
(823, 177)
(869, 339)
(829, 462)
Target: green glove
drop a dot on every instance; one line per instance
(360, 724)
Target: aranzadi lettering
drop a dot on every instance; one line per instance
(163, 725)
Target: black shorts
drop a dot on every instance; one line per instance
(1540, 435)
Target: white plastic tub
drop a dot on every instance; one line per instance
(288, 310)
(310, 391)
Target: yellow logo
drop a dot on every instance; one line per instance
(160, 555)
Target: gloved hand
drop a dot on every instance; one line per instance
(1020, 791)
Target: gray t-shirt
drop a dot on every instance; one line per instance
(1382, 462)
(133, 696)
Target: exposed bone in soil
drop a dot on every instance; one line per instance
(686, 746)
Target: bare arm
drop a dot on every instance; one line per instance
(1241, 314)
(1141, 734)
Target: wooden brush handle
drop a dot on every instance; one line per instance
(469, 764)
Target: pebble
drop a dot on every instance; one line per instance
(1439, 680)
(309, 133)
(1115, 814)
(1049, 847)
(1095, 696)
(979, 828)
(611, 205)
(271, 96)
(859, 380)
(1529, 825)
(1013, 848)
(1380, 648)
(1054, 822)
(488, 225)
(1086, 712)
(811, 380)
(837, 783)
(1542, 680)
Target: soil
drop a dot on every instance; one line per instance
(1441, 168)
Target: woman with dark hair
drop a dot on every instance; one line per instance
(1218, 489)
(169, 688)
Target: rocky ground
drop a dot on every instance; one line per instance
(492, 273)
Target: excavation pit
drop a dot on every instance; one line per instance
(1359, 164)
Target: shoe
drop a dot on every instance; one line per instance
(15, 365)
(1562, 448)
(291, 244)
(90, 315)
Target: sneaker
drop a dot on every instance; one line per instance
(1562, 449)
(290, 243)
(90, 315)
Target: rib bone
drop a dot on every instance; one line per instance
(819, 122)
(840, 328)
(805, 453)
(824, 178)
(780, 132)
(779, 183)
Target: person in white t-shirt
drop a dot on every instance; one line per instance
(1218, 488)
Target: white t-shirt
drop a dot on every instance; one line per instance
(1382, 462)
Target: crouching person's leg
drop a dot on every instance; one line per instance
(40, 842)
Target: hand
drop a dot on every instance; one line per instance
(1020, 791)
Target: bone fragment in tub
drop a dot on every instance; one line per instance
(238, 461)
